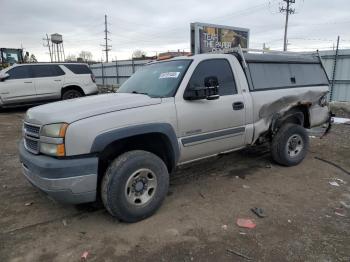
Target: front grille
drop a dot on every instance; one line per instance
(31, 137)
(32, 145)
(31, 129)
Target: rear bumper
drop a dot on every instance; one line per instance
(90, 89)
(71, 181)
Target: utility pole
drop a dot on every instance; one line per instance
(47, 39)
(288, 10)
(107, 47)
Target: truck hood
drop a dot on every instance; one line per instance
(69, 111)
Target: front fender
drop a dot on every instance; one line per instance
(104, 139)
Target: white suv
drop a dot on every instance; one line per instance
(40, 82)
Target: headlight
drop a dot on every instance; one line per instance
(52, 149)
(54, 130)
(52, 139)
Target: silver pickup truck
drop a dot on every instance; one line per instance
(122, 147)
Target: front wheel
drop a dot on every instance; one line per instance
(135, 185)
(290, 145)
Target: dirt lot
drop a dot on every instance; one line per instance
(301, 224)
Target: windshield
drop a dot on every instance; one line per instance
(157, 80)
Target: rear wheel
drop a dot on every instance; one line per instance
(70, 94)
(135, 185)
(290, 145)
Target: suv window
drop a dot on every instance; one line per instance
(19, 72)
(47, 70)
(78, 69)
(214, 67)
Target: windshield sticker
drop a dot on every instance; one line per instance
(169, 75)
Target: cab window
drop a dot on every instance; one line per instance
(214, 67)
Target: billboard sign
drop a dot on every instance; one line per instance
(206, 38)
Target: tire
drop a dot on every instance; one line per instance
(124, 191)
(71, 93)
(290, 145)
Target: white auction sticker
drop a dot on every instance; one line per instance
(169, 75)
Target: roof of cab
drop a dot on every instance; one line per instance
(278, 58)
(256, 58)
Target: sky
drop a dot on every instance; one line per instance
(160, 25)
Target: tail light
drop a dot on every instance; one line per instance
(93, 78)
(323, 101)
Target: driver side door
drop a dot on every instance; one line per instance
(19, 87)
(208, 127)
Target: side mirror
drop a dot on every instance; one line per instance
(212, 85)
(4, 76)
(209, 91)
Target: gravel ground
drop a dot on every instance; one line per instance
(197, 221)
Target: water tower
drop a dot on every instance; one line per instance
(57, 50)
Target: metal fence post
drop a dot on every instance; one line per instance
(133, 65)
(103, 75)
(117, 71)
(334, 70)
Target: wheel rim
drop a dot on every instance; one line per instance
(294, 145)
(72, 95)
(141, 187)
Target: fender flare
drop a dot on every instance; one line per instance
(72, 85)
(106, 138)
(278, 119)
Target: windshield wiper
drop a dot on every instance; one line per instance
(139, 93)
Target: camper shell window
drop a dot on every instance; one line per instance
(276, 71)
(283, 75)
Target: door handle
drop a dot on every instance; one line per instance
(238, 105)
(57, 80)
(28, 82)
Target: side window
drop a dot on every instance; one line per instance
(269, 75)
(19, 72)
(214, 67)
(57, 70)
(282, 75)
(78, 69)
(308, 74)
(47, 70)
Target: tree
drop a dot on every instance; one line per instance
(138, 54)
(71, 58)
(33, 59)
(86, 56)
(30, 58)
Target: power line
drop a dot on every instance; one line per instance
(289, 11)
(158, 31)
(47, 39)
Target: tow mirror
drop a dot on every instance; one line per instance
(209, 91)
(4, 76)
(212, 85)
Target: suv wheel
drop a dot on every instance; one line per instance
(70, 94)
(290, 145)
(134, 185)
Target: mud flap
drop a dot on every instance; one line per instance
(328, 129)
